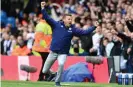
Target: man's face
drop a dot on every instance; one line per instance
(67, 20)
(110, 36)
(105, 42)
(99, 29)
(120, 27)
(20, 41)
(6, 36)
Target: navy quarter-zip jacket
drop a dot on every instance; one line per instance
(61, 36)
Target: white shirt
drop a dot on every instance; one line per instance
(30, 37)
(96, 40)
(109, 48)
(6, 45)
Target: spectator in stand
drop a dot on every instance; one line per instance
(21, 49)
(96, 41)
(6, 44)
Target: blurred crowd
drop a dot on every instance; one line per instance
(113, 36)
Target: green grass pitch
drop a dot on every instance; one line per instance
(51, 84)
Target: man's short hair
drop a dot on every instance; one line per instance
(66, 15)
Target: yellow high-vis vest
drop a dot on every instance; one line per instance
(43, 37)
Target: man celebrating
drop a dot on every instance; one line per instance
(63, 31)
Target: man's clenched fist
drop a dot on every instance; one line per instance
(43, 4)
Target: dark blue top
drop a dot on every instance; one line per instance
(62, 35)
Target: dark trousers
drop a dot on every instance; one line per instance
(44, 56)
(130, 65)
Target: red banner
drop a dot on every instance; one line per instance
(11, 67)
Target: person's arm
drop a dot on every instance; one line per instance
(49, 20)
(124, 37)
(130, 48)
(79, 32)
(129, 25)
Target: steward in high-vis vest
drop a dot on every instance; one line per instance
(43, 36)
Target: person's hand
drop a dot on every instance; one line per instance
(128, 50)
(96, 23)
(43, 4)
(92, 50)
(114, 31)
(127, 17)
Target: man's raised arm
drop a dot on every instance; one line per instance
(79, 32)
(49, 20)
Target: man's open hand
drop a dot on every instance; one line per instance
(43, 4)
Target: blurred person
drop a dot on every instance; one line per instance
(103, 25)
(75, 49)
(24, 34)
(129, 22)
(6, 44)
(80, 10)
(86, 43)
(96, 41)
(14, 42)
(116, 50)
(30, 36)
(130, 53)
(125, 43)
(21, 49)
(120, 27)
(103, 43)
(63, 31)
(110, 44)
(109, 25)
(43, 37)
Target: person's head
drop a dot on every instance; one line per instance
(24, 35)
(67, 19)
(118, 14)
(12, 37)
(99, 29)
(105, 41)
(110, 36)
(120, 27)
(80, 10)
(113, 16)
(17, 21)
(109, 25)
(105, 32)
(20, 41)
(6, 36)
(89, 21)
(30, 28)
(103, 25)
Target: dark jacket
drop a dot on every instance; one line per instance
(130, 25)
(131, 46)
(125, 44)
(8, 47)
(86, 42)
(116, 50)
(62, 35)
